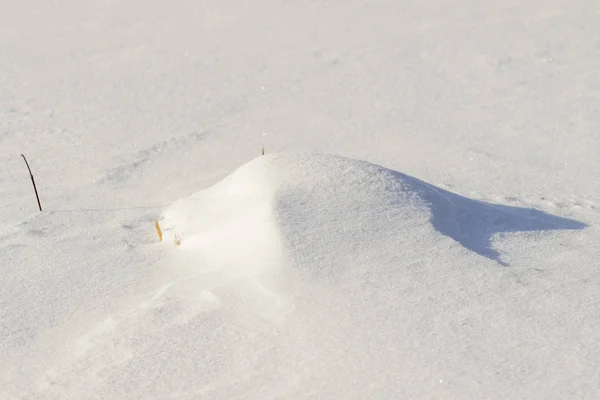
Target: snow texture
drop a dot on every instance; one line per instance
(424, 223)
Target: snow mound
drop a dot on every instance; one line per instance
(325, 213)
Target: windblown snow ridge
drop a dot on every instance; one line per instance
(324, 212)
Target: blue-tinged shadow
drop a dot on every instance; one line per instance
(473, 223)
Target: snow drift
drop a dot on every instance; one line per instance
(327, 213)
(303, 276)
(329, 275)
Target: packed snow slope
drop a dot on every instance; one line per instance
(299, 275)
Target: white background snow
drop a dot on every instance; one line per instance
(458, 259)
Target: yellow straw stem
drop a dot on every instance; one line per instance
(158, 230)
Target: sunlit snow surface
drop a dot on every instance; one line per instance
(449, 249)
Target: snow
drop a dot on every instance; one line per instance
(424, 223)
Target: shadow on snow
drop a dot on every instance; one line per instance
(473, 223)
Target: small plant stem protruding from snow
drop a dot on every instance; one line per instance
(33, 181)
(158, 231)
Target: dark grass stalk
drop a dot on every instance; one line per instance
(33, 181)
